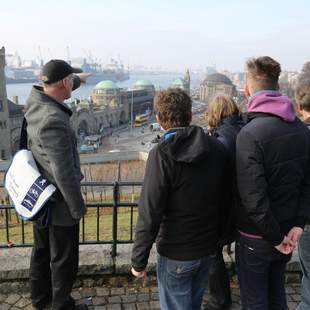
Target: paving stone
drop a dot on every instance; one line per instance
(26, 295)
(3, 297)
(155, 296)
(102, 291)
(290, 290)
(292, 305)
(114, 300)
(295, 297)
(100, 308)
(235, 298)
(23, 302)
(289, 298)
(143, 297)
(235, 307)
(131, 290)
(12, 299)
(114, 307)
(97, 301)
(87, 292)
(144, 290)
(143, 306)
(129, 298)
(129, 306)
(5, 306)
(117, 291)
(154, 289)
(154, 305)
(76, 295)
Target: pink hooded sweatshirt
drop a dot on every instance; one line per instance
(272, 102)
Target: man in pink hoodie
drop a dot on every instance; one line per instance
(273, 175)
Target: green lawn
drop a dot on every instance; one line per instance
(90, 226)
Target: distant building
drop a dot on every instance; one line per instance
(214, 85)
(211, 70)
(183, 83)
(11, 117)
(111, 106)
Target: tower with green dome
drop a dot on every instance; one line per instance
(183, 83)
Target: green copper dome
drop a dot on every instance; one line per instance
(178, 82)
(143, 83)
(106, 85)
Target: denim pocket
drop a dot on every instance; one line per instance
(179, 276)
(178, 268)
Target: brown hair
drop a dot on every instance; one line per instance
(302, 94)
(263, 72)
(174, 108)
(220, 108)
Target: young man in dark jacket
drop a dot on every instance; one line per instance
(272, 160)
(180, 205)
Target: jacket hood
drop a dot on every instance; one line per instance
(37, 96)
(272, 102)
(186, 144)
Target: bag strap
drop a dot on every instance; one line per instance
(23, 144)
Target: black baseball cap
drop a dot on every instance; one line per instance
(56, 70)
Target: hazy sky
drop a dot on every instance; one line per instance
(169, 33)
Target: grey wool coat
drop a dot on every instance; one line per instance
(53, 145)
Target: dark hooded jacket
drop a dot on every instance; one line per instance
(273, 168)
(227, 132)
(181, 197)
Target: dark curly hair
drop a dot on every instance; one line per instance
(173, 107)
(264, 72)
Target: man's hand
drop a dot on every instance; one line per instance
(83, 77)
(295, 234)
(138, 274)
(286, 246)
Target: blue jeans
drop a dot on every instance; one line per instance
(182, 283)
(261, 274)
(304, 257)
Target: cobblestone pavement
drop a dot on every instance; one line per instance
(128, 298)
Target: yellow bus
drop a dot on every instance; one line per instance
(141, 120)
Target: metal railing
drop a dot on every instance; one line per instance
(112, 202)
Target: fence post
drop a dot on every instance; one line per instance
(114, 227)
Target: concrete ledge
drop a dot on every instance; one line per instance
(94, 260)
(97, 267)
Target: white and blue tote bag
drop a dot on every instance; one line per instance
(27, 188)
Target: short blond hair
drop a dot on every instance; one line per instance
(220, 108)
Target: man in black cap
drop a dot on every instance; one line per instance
(54, 259)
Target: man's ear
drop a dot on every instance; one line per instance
(247, 90)
(299, 108)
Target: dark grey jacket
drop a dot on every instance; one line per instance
(273, 172)
(53, 144)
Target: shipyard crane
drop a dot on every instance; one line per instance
(40, 56)
(68, 55)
